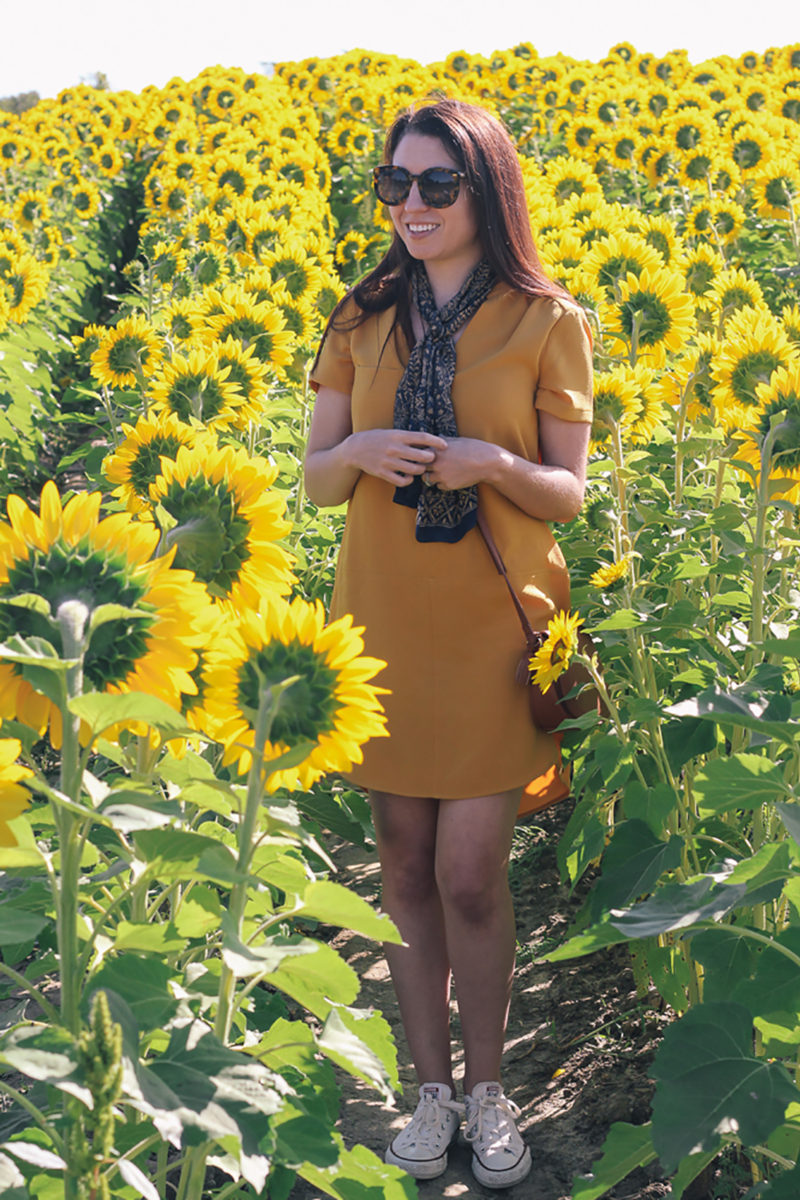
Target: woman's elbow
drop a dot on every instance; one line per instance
(570, 503)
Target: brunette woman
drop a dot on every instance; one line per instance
(454, 375)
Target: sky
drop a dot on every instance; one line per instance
(50, 44)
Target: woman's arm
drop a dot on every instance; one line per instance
(335, 456)
(551, 490)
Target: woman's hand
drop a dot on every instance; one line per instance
(394, 455)
(463, 462)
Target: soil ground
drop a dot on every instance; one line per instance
(579, 1044)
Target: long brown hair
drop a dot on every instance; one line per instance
(482, 148)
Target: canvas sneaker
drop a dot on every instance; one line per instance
(500, 1158)
(421, 1148)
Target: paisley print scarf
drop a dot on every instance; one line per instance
(424, 401)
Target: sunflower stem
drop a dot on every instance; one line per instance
(754, 653)
(73, 617)
(269, 702)
(193, 1173)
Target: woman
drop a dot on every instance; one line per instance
(454, 374)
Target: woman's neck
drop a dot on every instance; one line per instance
(447, 279)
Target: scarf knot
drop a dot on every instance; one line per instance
(424, 400)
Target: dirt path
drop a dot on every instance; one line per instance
(578, 1049)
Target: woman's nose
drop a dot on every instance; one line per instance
(414, 199)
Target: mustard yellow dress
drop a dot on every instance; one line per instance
(439, 613)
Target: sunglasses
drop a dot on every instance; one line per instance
(438, 186)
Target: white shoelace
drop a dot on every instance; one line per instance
(492, 1118)
(429, 1125)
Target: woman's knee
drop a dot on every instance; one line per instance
(475, 892)
(405, 829)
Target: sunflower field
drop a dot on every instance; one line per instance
(176, 712)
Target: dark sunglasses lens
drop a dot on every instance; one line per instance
(439, 187)
(392, 184)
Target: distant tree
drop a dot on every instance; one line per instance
(97, 80)
(18, 104)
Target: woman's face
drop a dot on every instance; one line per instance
(435, 235)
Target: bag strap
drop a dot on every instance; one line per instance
(532, 638)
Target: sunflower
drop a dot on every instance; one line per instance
(734, 291)
(700, 267)
(291, 265)
(639, 429)
(613, 258)
(790, 317)
(261, 326)
(14, 796)
(566, 176)
(778, 188)
(331, 709)
(751, 145)
(727, 218)
(108, 159)
(262, 234)
(610, 573)
(25, 282)
(554, 656)
(754, 346)
(583, 135)
(31, 208)
(136, 462)
(691, 373)
(246, 371)
(67, 554)
(616, 401)
(301, 317)
(86, 199)
(780, 395)
(220, 511)
(194, 386)
(652, 316)
(182, 320)
(129, 350)
(660, 233)
(208, 265)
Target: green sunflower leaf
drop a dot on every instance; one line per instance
(742, 781)
(711, 1086)
(115, 612)
(100, 710)
(48, 1054)
(361, 1042)
(31, 601)
(359, 1172)
(334, 904)
(626, 1148)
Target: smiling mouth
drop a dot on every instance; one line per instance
(420, 228)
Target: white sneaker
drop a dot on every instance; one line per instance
(421, 1148)
(500, 1158)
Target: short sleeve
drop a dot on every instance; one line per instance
(333, 366)
(565, 368)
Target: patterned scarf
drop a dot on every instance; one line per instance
(424, 401)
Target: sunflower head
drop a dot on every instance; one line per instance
(136, 462)
(127, 352)
(324, 714)
(140, 615)
(555, 654)
(217, 508)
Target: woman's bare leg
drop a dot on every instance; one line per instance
(473, 843)
(406, 832)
